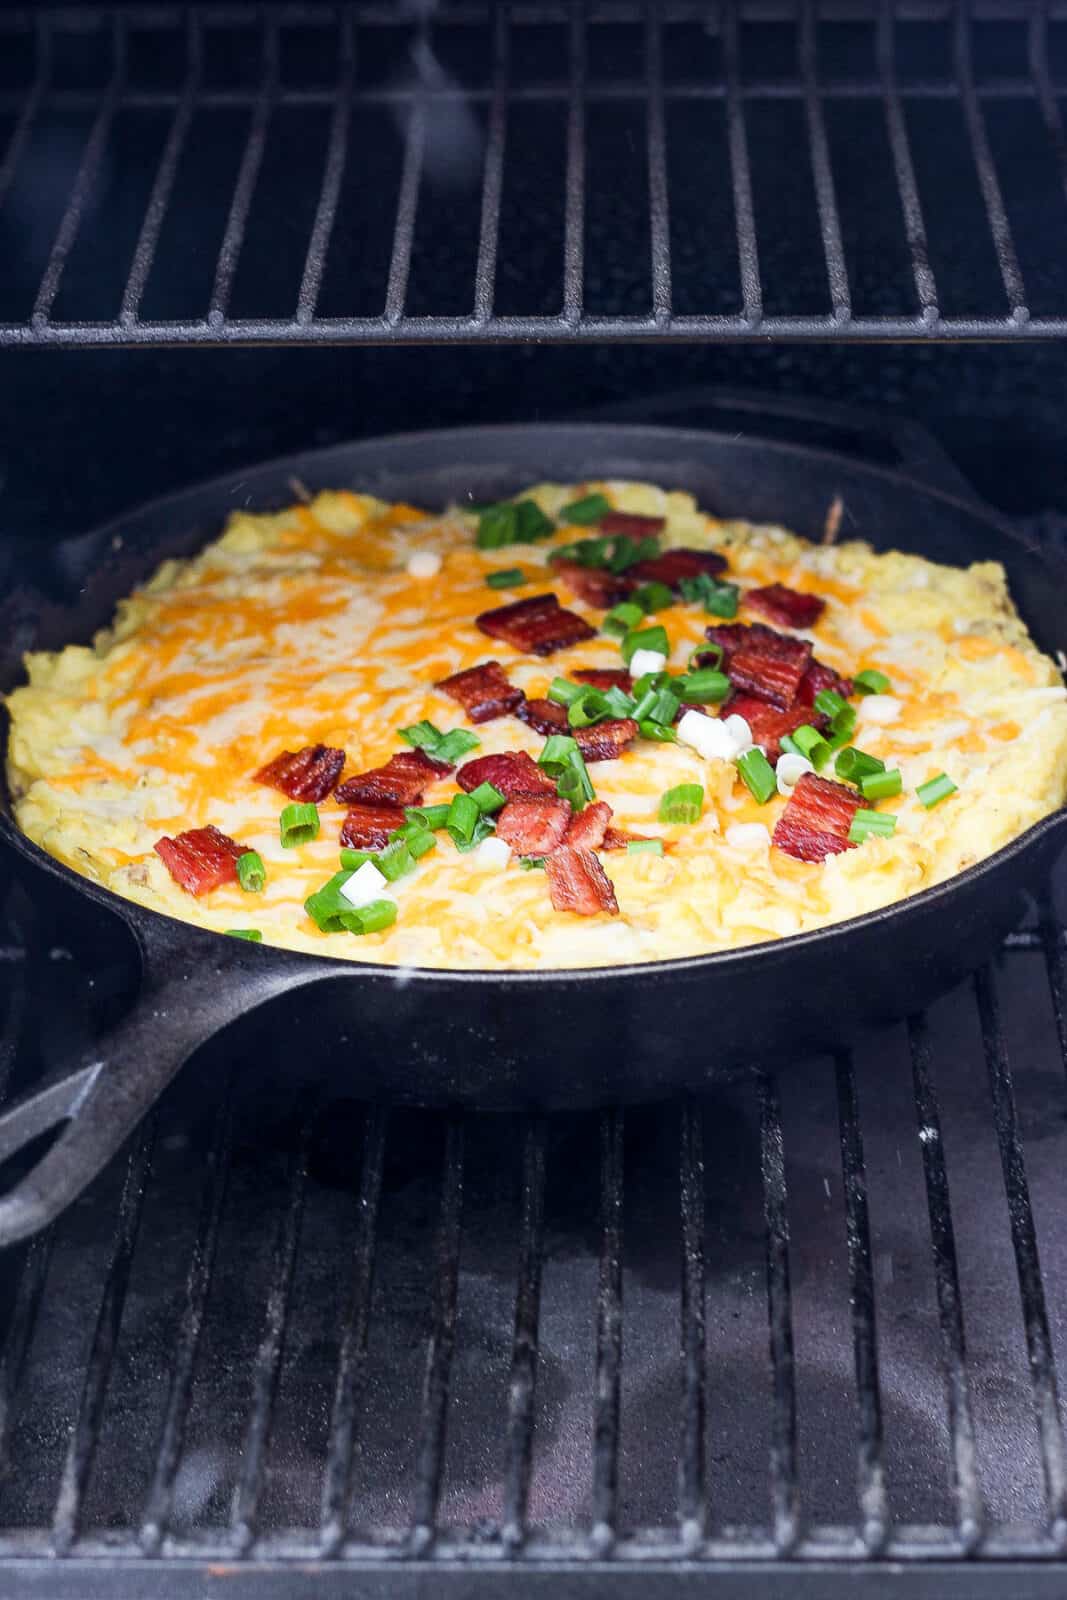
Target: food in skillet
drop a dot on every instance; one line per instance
(589, 726)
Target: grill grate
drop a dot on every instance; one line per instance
(556, 173)
(530, 1446)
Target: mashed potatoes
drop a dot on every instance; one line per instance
(308, 626)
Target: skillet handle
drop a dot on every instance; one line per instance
(194, 984)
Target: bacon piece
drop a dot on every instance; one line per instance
(201, 859)
(604, 741)
(596, 586)
(538, 625)
(587, 828)
(483, 691)
(369, 827)
(788, 607)
(816, 821)
(768, 724)
(604, 678)
(401, 782)
(819, 677)
(628, 525)
(533, 825)
(674, 565)
(307, 774)
(768, 664)
(618, 839)
(544, 716)
(577, 882)
(513, 772)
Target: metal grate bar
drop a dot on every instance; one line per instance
(1054, 943)
(903, 166)
(659, 201)
(692, 1476)
(351, 1365)
(434, 1423)
(83, 183)
(969, 1511)
(1024, 1242)
(493, 177)
(574, 217)
(145, 252)
(999, 226)
(785, 1495)
(197, 1287)
(1046, 95)
(86, 1434)
(247, 177)
(872, 1494)
(404, 223)
(822, 171)
(608, 1336)
(740, 169)
(522, 1385)
(20, 1332)
(332, 176)
(269, 1355)
(30, 106)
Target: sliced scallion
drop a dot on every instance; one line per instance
(487, 798)
(757, 774)
(645, 639)
(251, 873)
(590, 706)
(531, 863)
(496, 526)
(660, 732)
(936, 789)
(591, 508)
(829, 703)
(510, 578)
(437, 745)
(881, 785)
(682, 804)
(463, 818)
(332, 913)
(431, 817)
(852, 764)
(298, 824)
(253, 935)
(352, 860)
(421, 843)
(871, 681)
(621, 618)
(644, 847)
(704, 686)
(653, 597)
(395, 861)
(531, 523)
(871, 824)
(562, 691)
(808, 741)
(718, 599)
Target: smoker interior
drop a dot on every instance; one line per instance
(801, 1337)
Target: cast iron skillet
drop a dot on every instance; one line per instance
(525, 1038)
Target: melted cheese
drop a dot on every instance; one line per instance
(306, 626)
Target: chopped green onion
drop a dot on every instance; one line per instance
(665, 708)
(683, 804)
(590, 706)
(531, 863)
(559, 750)
(704, 686)
(496, 526)
(881, 785)
(866, 824)
(421, 843)
(375, 916)
(587, 510)
(352, 860)
(843, 726)
(332, 913)
(531, 523)
(645, 639)
(251, 873)
(653, 597)
(829, 702)
(661, 732)
(718, 599)
(757, 774)
(628, 552)
(437, 745)
(871, 682)
(431, 817)
(487, 798)
(510, 578)
(808, 741)
(562, 691)
(789, 744)
(575, 784)
(563, 761)
(253, 935)
(936, 789)
(587, 552)
(463, 817)
(640, 847)
(715, 651)
(298, 824)
(618, 702)
(395, 861)
(853, 764)
(621, 618)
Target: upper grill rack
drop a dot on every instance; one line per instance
(740, 170)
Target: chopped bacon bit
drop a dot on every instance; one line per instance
(604, 678)
(369, 827)
(201, 859)
(594, 585)
(618, 839)
(538, 625)
(308, 774)
(533, 825)
(587, 829)
(674, 565)
(816, 821)
(819, 677)
(483, 691)
(768, 664)
(788, 607)
(628, 525)
(544, 716)
(768, 724)
(604, 741)
(401, 782)
(513, 772)
(577, 882)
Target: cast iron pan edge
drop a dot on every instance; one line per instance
(527, 1038)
